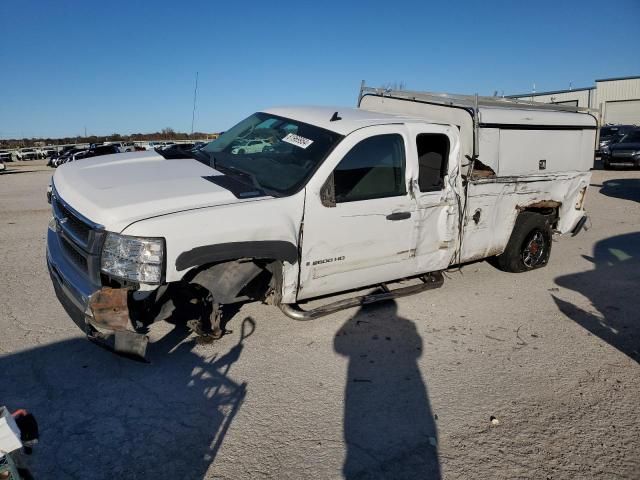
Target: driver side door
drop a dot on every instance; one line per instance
(358, 221)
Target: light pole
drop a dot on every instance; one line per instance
(195, 94)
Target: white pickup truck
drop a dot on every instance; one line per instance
(396, 190)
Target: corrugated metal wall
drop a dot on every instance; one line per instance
(617, 99)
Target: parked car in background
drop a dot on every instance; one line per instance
(97, 151)
(27, 154)
(611, 134)
(123, 146)
(625, 152)
(66, 156)
(118, 145)
(177, 150)
(94, 150)
(49, 152)
(153, 145)
(5, 156)
(55, 158)
(252, 146)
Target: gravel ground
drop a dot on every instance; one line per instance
(400, 390)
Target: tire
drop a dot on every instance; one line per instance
(605, 164)
(529, 246)
(241, 151)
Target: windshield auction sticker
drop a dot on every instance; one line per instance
(297, 140)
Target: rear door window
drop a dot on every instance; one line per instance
(433, 152)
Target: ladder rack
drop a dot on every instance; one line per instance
(472, 102)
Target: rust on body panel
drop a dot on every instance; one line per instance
(109, 308)
(540, 204)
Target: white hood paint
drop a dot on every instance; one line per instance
(117, 190)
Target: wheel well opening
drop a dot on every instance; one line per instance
(237, 280)
(548, 208)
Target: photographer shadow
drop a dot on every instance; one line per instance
(389, 429)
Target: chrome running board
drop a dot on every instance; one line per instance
(429, 282)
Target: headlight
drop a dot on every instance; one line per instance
(135, 259)
(605, 149)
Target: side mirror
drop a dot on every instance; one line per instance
(328, 193)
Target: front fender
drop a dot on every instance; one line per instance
(267, 228)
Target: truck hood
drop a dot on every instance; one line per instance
(117, 190)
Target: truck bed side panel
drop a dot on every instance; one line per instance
(495, 203)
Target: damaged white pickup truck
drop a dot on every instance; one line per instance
(332, 200)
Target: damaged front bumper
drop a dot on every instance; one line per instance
(101, 312)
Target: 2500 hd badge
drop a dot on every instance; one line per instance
(327, 260)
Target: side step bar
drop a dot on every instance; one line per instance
(429, 282)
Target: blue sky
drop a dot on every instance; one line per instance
(129, 66)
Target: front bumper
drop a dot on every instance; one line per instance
(80, 297)
(624, 161)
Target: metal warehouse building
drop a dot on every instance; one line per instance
(617, 98)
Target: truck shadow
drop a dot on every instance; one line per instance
(624, 188)
(102, 416)
(389, 429)
(612, 287)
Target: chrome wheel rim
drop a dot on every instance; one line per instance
(535, 250)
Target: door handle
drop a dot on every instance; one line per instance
(399, 216)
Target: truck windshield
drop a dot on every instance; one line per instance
(276, 153)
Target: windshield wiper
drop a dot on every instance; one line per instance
(200, 156)
(248, 176)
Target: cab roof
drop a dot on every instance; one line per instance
(351, 119)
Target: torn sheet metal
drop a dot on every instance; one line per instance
(109, 309)
(109, 323)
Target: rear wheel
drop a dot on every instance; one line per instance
(529, 246)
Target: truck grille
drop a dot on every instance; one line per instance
(80, 240)
(72, 224)
(75, 257)
(623, 153)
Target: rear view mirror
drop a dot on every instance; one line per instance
(328, 193)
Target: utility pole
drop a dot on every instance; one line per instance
(195, 94)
